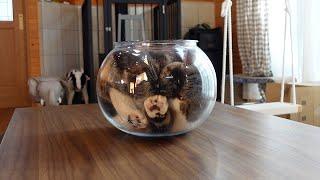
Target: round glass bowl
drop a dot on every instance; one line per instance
(156, 88)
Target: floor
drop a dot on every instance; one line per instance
(5, 116)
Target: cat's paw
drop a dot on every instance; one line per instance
(137, 120)
(156, 106)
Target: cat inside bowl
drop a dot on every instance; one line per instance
(156, 88)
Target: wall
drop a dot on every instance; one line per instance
(60, 38)
(79, 2)
(32, 37)
(196, 12)
(34, 67)
(208, 11)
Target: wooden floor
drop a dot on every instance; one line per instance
(5, 116)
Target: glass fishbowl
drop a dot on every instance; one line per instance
(156, 88)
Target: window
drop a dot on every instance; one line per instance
(6, 10)
(305, 38)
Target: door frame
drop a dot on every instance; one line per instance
(26, 56)
(32, 40)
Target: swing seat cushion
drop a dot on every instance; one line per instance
(242, 79)
(273, 108)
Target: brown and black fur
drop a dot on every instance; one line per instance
(168, 75)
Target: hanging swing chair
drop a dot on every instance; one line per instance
(272, 108)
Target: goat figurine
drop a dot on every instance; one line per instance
(76, 81)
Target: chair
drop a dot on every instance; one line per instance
(129, 26)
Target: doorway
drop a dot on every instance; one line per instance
(13, 62)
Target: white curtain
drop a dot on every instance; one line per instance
(306, 38)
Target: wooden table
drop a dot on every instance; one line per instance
(76, 142)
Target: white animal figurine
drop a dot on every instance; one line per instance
(76, 81)
(47, 91)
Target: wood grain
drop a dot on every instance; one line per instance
(5, 116)
(32, 37)
(76, 142)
